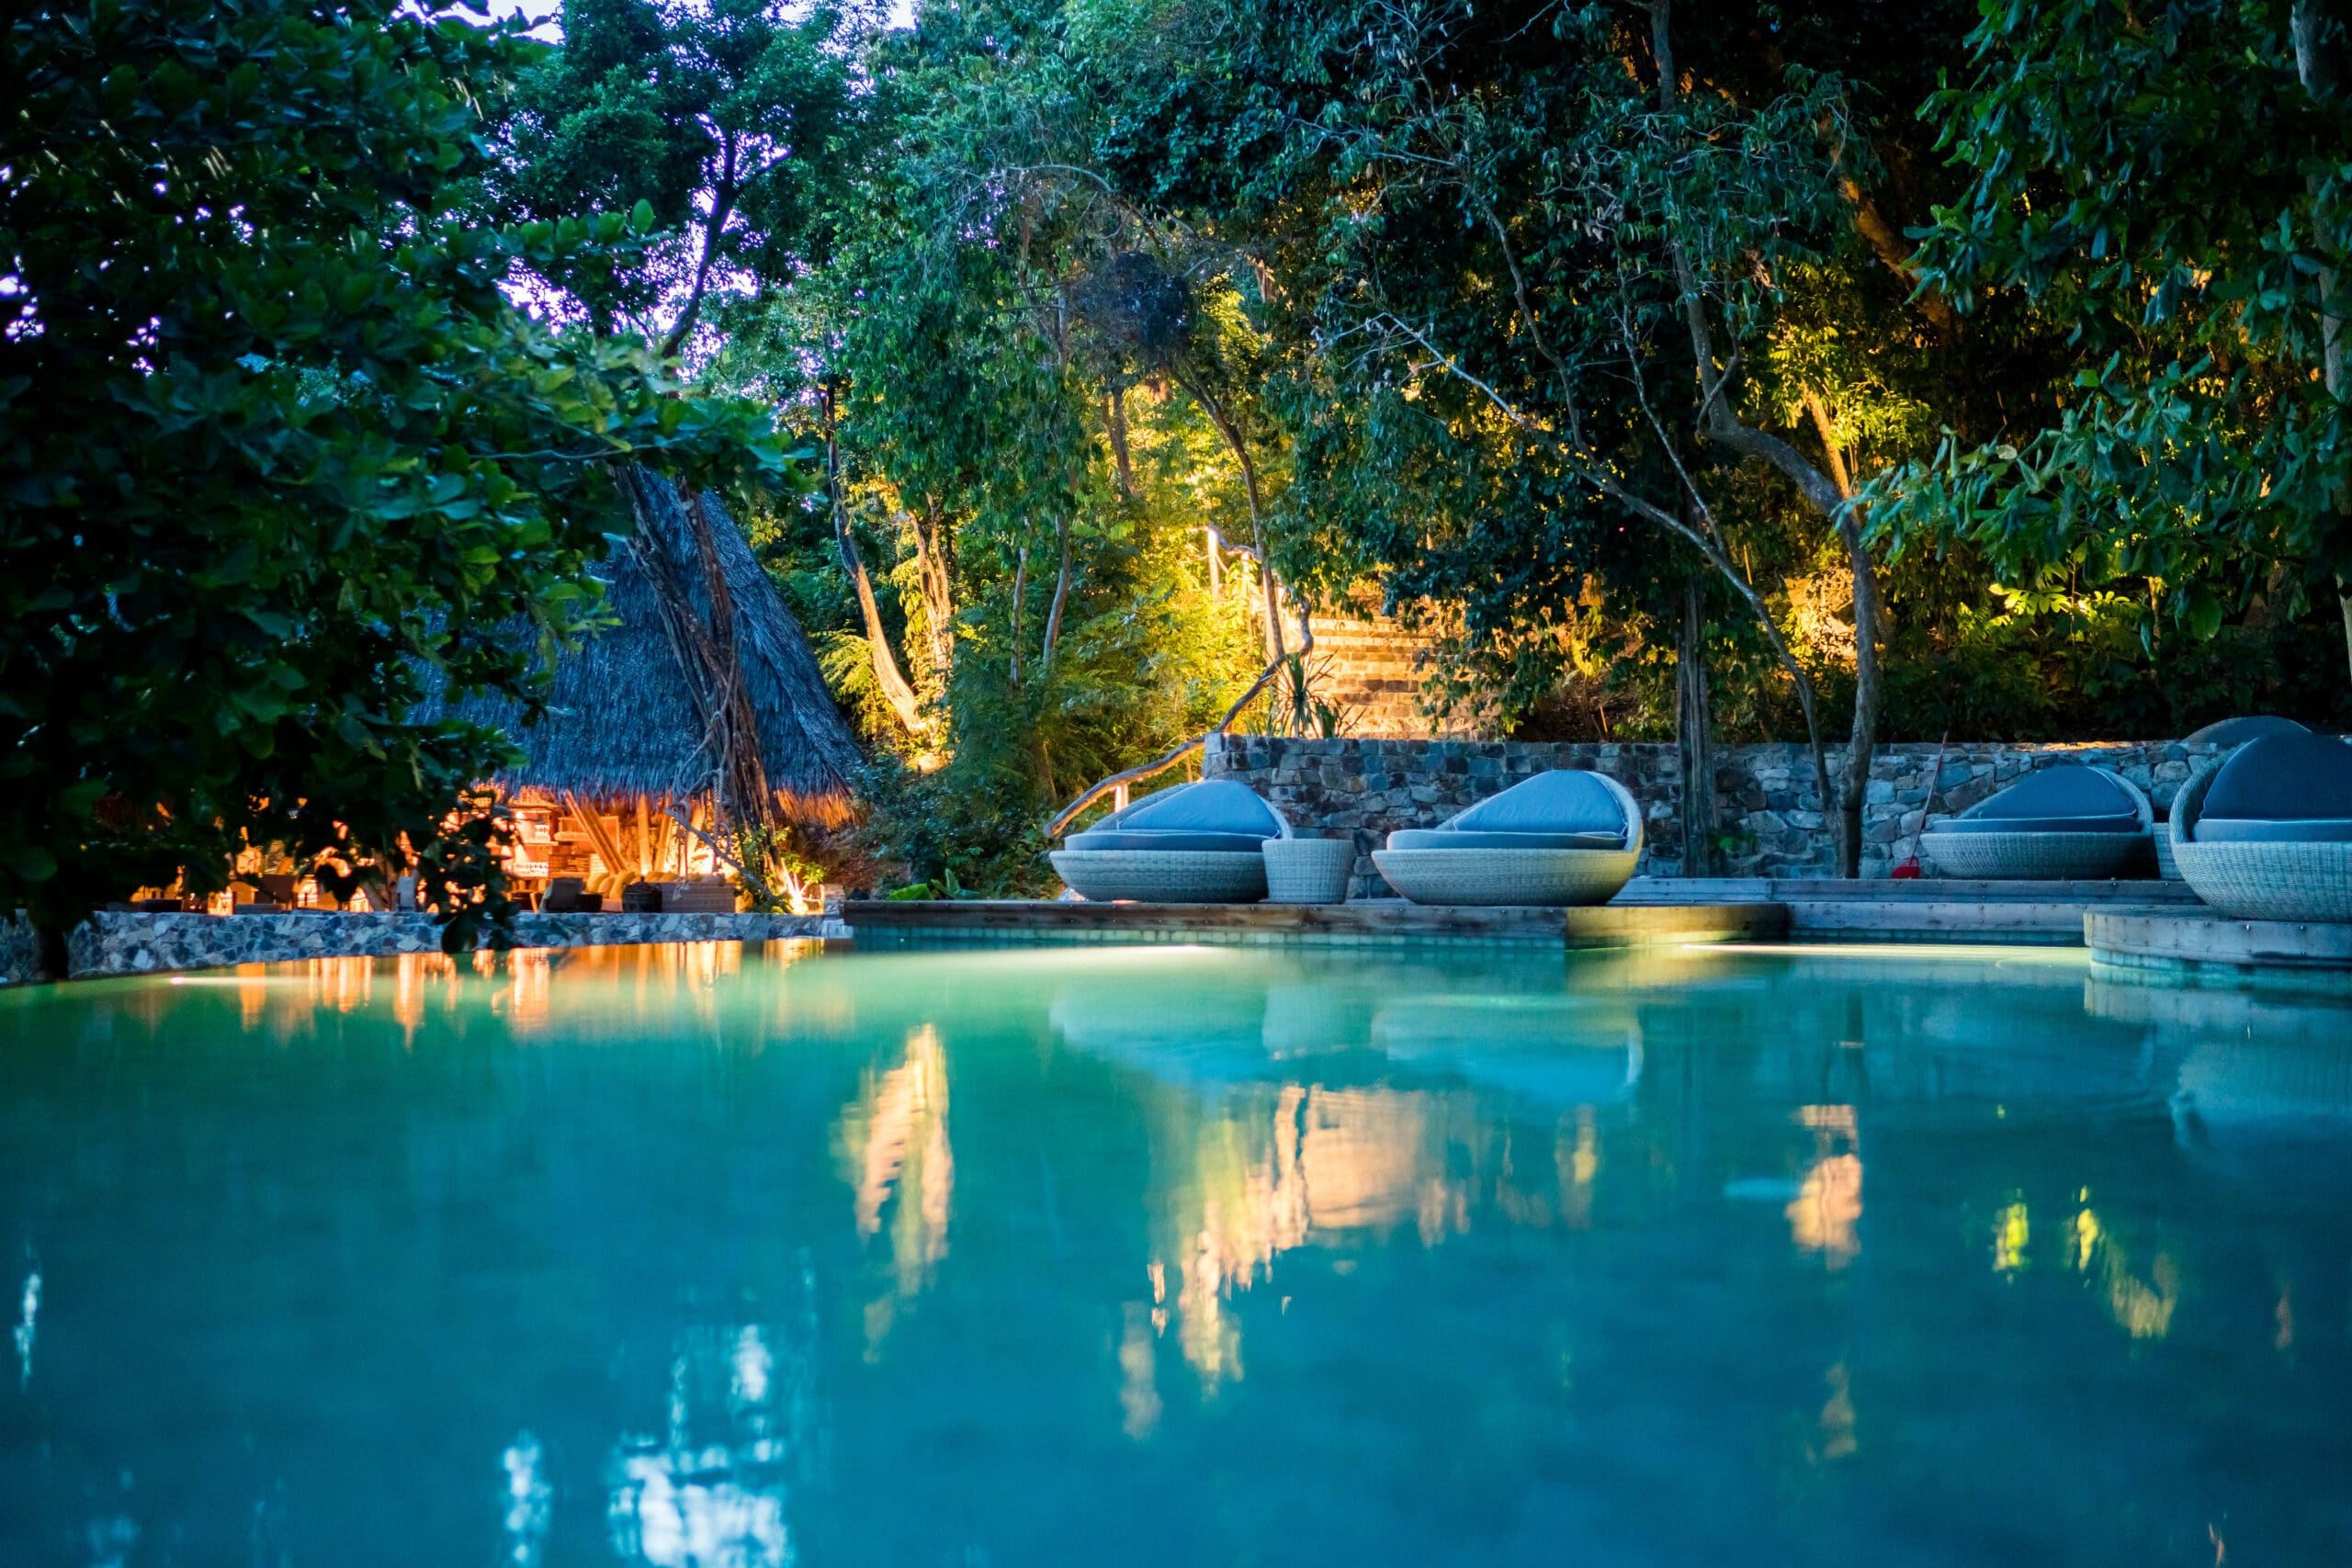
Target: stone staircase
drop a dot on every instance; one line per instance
(1365, 667)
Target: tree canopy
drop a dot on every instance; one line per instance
(280, 452)
(1840, 373)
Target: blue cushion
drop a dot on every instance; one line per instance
(1209, 806)
(2036, 825)
(1454, 839)
(2281, 778)
(1114, 839)
(2244, 830)
(1568, 800)
(2068, 789)
(2238, 731)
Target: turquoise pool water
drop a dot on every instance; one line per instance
(1165, 1255)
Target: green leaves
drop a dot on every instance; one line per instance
(329, 465)
(698, 149)
(2108, 149)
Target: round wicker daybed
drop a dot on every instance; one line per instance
(2066, 822)
(1561, 838)
(1197, 843)
(2266, 833)
(2228, 734)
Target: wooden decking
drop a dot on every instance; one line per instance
(1929, 909)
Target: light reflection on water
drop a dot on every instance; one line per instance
(711, 1258)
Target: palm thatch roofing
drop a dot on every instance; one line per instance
(622, 719)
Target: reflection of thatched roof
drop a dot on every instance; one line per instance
(622, 719)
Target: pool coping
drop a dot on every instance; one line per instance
(1650, 910)
(2206, 949)
(879, 923)
(2144, 931)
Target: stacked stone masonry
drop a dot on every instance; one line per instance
(1766, 801)
(117, 942)
(1370, 670)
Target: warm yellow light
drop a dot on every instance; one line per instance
(1828, 1210)
(1904, 952)
(2011, 1231)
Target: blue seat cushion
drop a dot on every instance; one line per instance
(2284, 831)
(2238, 731)
(2068, 790)
(1209, 806)
(1568, 800)
(1454, 839)
(2281, 778)
(2036, 825)
(1116, 839)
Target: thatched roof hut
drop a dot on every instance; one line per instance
(631, 715)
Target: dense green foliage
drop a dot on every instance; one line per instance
(2178, 190)
(1529, 337)
(277, 450)
(1978, 366)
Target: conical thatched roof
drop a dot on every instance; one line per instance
(622, 719)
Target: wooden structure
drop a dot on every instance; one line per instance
(703, 707)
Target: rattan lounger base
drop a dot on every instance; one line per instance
(2037, 857)
(2281, 881)
(1507, 877)
(1164, 876)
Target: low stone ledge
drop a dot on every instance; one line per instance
(121, 942)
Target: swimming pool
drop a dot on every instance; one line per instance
(719, 1256)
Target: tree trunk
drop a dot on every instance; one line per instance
(2317, 73)
(1061, 596)
(722, 206)
(1267, 581)
(1828, 494)
(1114, 420)
(904, 703)
(1854, 788)
(1020, 596)
(50, 960)
(1895, 253)
(1693, 733)
(1273, 595)
(935, 566)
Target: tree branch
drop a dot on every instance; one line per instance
(722, 206)
(1061, 593)
(1161, 764)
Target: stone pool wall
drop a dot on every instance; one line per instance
(1765, 796)
(118, 943)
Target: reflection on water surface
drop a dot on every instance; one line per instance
(703, 1257)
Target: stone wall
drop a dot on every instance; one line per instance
(1766, 800)
(118, 943)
